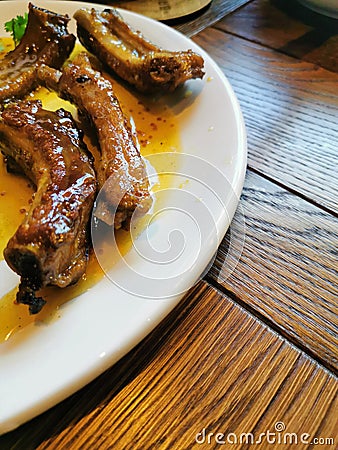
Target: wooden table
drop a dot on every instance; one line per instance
(255, 352)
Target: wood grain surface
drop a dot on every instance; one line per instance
(290, 109)
(210, 365)
(253, 346)
(163, 9)
(287, 271)
(288, 26)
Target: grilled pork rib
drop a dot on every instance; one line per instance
(50, 246)
(121, 170)
(46, 41)
(134, 59)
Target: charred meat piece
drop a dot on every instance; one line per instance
(121, 170)
(127, 53)
(46, 41)
(50, 246)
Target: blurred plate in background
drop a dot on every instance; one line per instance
(163, 9)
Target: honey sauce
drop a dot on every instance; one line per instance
(157, 130)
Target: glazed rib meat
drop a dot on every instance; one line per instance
(133, 58)
(46, 41)
(121, 171)
(50, 246)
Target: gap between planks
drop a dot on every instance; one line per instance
(270, 324)
(293, 191)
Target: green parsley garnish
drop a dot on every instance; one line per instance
(17, 27)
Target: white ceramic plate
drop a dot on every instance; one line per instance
(42, 365)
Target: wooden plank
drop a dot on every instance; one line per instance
(291, 111)
(288, 270)
(214, 12)
(262, 22)
(290, 27)
(209, 365)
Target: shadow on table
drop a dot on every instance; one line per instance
(299, 12)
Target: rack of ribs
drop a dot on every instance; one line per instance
(133, 58)
(121, 171)
(50, 247)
